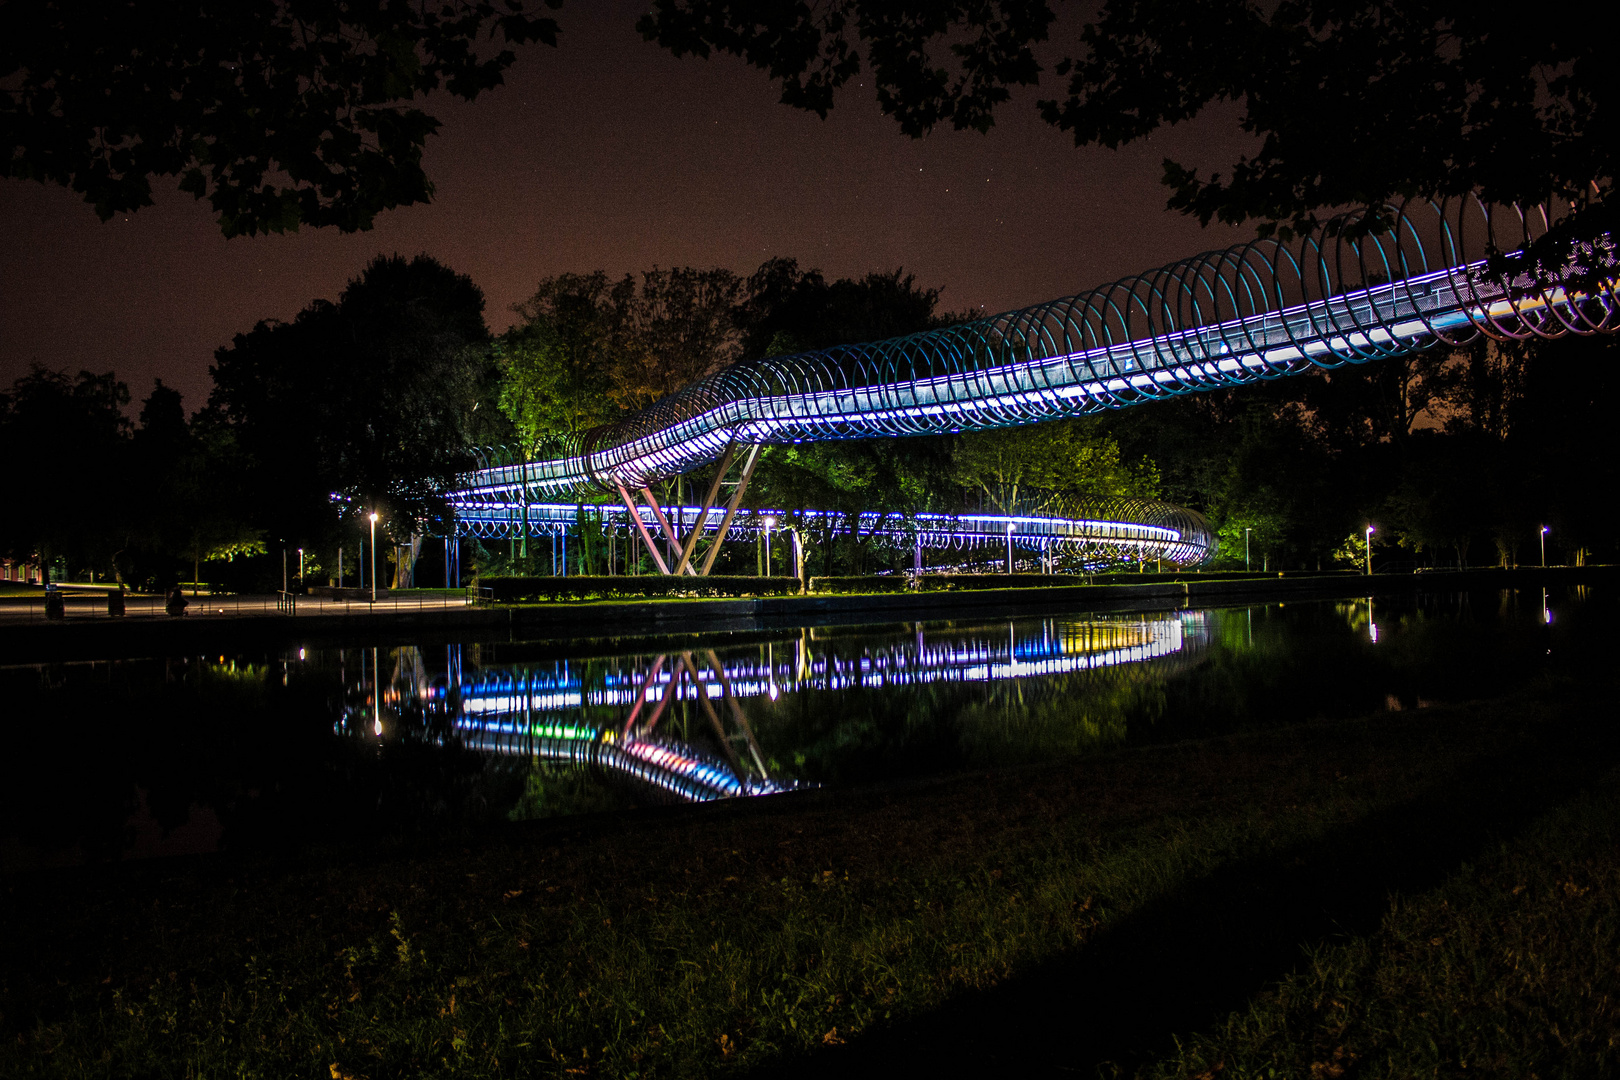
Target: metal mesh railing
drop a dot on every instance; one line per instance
(1119, 529)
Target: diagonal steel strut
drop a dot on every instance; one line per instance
(641, 695)
(669, 530)
(703, 514)
(641, 526)
(731, 508)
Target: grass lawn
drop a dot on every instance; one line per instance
(1510, 968)
(1408, 893)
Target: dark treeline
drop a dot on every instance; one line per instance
(373, 402)
(1454, 457)
(359, 405)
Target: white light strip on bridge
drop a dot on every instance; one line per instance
(994, 526)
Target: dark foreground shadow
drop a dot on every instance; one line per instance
(1189, 959)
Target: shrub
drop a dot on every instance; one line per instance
(892, 583)
(889, 583)
(582, 587)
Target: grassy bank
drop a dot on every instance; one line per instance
(1511, 968)
(1029, 920)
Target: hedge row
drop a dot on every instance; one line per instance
(889, 583)
(894, 583)
(651, 585)
(614, 588)
(1126, 577)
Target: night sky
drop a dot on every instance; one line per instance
(609, 153)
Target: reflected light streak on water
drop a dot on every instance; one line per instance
(315, 741)
(540, 714)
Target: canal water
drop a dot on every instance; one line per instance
(250, 751)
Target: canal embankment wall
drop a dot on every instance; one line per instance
(114, 637)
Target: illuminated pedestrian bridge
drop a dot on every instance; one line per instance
(1144, 532)
(1365, 287)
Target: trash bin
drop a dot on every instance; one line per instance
(53, 603)
(115, 602)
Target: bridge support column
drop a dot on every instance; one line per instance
(663, 522)
(641, 527)
(731, 508)
(703, 514)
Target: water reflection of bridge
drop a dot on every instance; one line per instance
(612, 714)
(1059, 647)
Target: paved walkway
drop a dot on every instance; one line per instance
(80, 605)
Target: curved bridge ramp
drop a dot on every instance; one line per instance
(1258, 310)
(1109, 531)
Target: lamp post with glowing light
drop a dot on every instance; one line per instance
(1246, 530)
(300, 568)
(374, 557)
(1009, 547)
(1369, 550)
(770, 523)
(1544, 532)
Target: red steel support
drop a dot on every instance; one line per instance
(641, 696)
(731, 508)
(669, 530)
(703, 514)
(641, 526)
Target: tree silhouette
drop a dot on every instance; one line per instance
(1353, 103)
(280, 112)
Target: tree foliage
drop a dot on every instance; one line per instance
(1027, 469)
(814, 49)
(65, 440)
(787, 309)
(278, 112)
(682, 328)
(586, 347)
(1351, 103)
(558, 362)
(120, 501)
(375, 397)
(1512, 437)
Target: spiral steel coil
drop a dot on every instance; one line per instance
(1361, 288)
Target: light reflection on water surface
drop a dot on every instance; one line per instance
(309, 744)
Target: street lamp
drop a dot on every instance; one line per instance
(373, 557)
(770, 523)
(1544, 532)
(1246, 530)
(300, 568)
(1009, 547)
(1370, 531)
